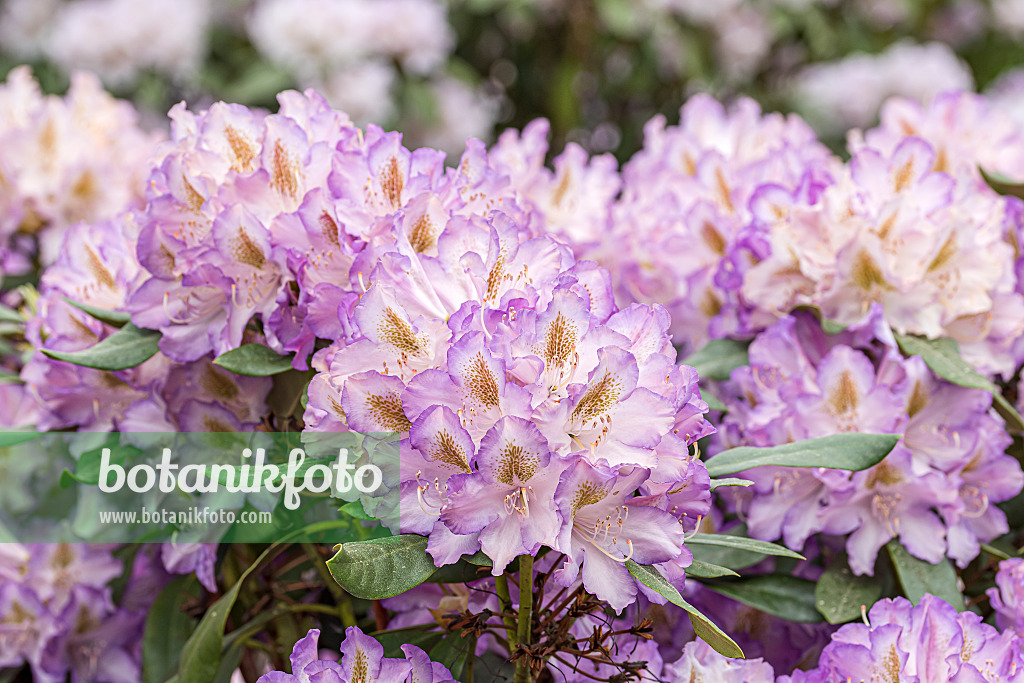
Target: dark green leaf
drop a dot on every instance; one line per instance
(115, 318)
(718, 358)
(452, 651)
(254, 360)
(201, 655)
(459, 572)
(383, 567)
(919, 577)
(706, 570)
(722, 556)
(840, 593)
(705, 628)
(127, 348)
(718, 483)
(167, 630)
(742, 543)
(943, 357)
(392, 641)
(785, 596)
(850, 451)
(1003, 185)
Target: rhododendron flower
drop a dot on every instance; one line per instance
(1007, 598)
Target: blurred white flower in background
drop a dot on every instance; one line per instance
(847, 93)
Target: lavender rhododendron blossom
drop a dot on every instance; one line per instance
(78, 158)
(936, 491)
(700, 663)
(683, 232)
(1007, 598)
(929, 641)
(362, 659)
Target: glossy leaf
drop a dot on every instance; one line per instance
(254, 360)
(705, 628)
(382, 568)
(919, 577)
(167, 630)
(788, 597)
(127, 348)
(742, 543)
(705, 570)
(840, 593)
(114, 318)
(850, 451)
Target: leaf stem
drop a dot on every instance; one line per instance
(501, 588)
(525, 625)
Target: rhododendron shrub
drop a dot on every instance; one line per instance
(536, 422)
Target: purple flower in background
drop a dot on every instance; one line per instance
(701, 663)
(1007, 598)
(362, 659)
(935, 491)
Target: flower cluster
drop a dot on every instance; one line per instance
(1007, 598)
(530, 408)
(362, 659)
(927, 641)
(77, 158)
(97, 267)
(936, 491)
(684, 231)
(58, 616)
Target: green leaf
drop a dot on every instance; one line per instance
(382, 567)
(201, 655)
(167, 630)
(355, 509)
(742, 543)
(392, 641)
(115, 318)
(785, 596)
(458, 572)
(254, 360)
(919, 577)
(705, 628)
(1003, 185)
(713, 403)
(9, 315)
(452, 652)
(718, 358)
(719, 483)
(850, 451)
(128, 347)
(706, 570)
(840, 593)
(943, 357)
(12, 437)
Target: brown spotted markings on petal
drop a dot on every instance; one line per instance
(285, 174)
(63, 556)
(844, 397)
(394, 330)
(421, 236)
(560, 339)
(724, 193)
(945, 255)
(866, 274)
(329, 229)
(883, 474)
(217, 385)
(445, 450)
(193, 199)
(243, 149)
(515, 463)
(889, 667)
(392, 182)
(99, 270)
(246, 251)
(588, 493)
(361, 668)
(918, 400)
(598, 399)
(481, 382)
(495, 276)
(17, 614)
(901, 178)
(212, 424)
(709, 233)
(387, 410)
